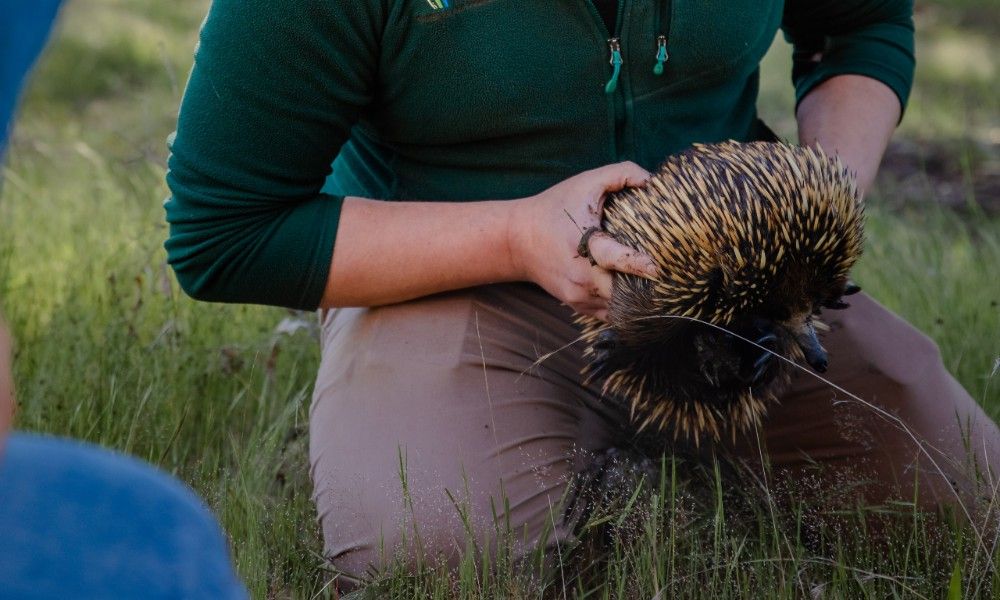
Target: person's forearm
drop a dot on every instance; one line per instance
(853, 117)
(388, 252)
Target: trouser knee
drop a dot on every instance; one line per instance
(443, 530)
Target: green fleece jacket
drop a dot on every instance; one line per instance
(453, 100)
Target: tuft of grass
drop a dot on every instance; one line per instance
(697, 536)
(76, 71)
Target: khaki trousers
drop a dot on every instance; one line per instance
(433, 419)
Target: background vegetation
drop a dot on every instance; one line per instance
(110, 351)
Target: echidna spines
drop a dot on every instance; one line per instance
(723, 223)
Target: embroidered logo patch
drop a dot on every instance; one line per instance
(444, 9)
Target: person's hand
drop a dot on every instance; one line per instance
(546, 230)
(6, 384)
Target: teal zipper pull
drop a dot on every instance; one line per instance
(661, 54)
(616, 62)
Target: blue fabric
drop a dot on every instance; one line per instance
(77, 521)
(24, 26)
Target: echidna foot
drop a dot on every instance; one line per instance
(606, 340)
(733, 360)
(710, 372)
(603, 361)
(755, 373)
(850, 288)
(836, 304)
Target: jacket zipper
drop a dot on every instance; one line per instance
(661, 54)
(616, 64)
(616, 101)
(663, 24)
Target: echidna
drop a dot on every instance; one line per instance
(753, 238)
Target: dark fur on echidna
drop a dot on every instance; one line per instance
(755, 238)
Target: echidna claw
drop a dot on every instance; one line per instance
(711, 378)
(760, 372)
(603, 348)
(761, 366)
(710, 371)
(851, 288)
(765, 339)
(836, 305)
(600, 367)
(606, 340)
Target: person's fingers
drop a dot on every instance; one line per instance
(592, 288)
(618, 176)
(591, 291)
(612, 178)
(602, 284)
(613, 256)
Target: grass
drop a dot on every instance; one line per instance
(110, 351)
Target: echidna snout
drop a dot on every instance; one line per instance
(814, 352)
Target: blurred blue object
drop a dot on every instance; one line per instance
(78, 521)
(24, 27)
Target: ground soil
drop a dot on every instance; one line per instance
(964, 178)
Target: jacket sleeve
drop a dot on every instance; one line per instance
(273, 94)
(862, 37)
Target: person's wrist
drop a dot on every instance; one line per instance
(518, 227)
